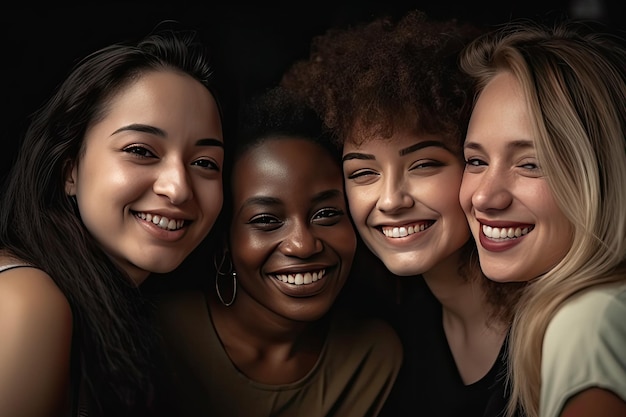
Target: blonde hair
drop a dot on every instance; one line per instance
(574, 81)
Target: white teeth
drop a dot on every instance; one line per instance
(162, 222)
(403, 231)
(301, 278)
(504, 232)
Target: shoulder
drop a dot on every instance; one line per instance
(595, 311)
(589, 331)
(36, 328)
(32, 306)
(31, 292)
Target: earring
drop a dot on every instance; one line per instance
(219, 273)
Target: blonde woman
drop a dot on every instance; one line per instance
(544, 190)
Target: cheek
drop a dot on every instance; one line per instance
(211, 199)
(465, 193)
(440, 193)
(548, 211)
(343, 239)
(542, 198)
(359, 204)
(449, 196)
(98, 189)
(107, 180)
(248, 250)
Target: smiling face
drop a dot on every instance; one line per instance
(291, 239)
(148, 181)
(403, 197)
(520, 230)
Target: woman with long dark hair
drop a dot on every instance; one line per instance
(119, 176)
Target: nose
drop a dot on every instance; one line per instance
(173, 182)
(492, 191)
(394, 195)
(300, 241)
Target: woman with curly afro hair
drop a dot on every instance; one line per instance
(393, 95)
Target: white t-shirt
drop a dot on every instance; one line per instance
(584, 347)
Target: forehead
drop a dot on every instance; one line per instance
(286, 163)
(161, 89)
(170, 100)
(501, 112)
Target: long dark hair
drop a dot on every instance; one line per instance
(114, 340)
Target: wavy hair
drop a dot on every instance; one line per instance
(574, 80)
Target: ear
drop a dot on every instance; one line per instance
(71, 177)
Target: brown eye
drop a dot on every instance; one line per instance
(140, 151)
(265, 222)
(327, 216)
(206, 163)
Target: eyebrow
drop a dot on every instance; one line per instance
(516, 144)
(326, 195)
(357, 155)
(422, 145)
(261, 200)
(401, 152)
(272, 201)
(153, 130)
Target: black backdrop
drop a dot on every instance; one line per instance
(253, 44)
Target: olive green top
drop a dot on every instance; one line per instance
(353, 375)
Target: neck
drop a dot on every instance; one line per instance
(473, 338)
(463, 298)
(267, 348)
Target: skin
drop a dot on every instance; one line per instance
(158, 151)
(289, 217)
(413, 179)
(595, 402)
(503, 187)
(35, 348)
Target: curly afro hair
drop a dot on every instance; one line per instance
(368, 80)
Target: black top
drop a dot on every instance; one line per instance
(429, 383)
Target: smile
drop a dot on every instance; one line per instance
(301, 278)
(404, 231)
(506, 232)
(161, 221)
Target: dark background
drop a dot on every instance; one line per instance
(253, 43)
